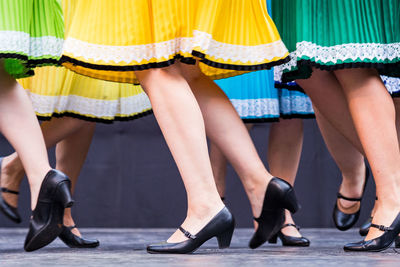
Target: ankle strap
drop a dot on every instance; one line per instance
(348, 198)
(290, 224)
(186, 233)
(6, 190)
(382, 227)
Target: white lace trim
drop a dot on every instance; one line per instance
(296, 104)
(339, 53)
(392, 84)
(34, 47)
(127, 106)
(256, 108)
(164, 50)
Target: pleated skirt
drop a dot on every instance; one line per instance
(257, 100)
(31, 34)
(111, 39)
(57, 92)
(339, 34)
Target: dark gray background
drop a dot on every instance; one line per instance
(130, 180)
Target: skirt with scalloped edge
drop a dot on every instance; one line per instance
(331, 35)
(31, 35)
(229, 37)
(257, 100)
(57, 92)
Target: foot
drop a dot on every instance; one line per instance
(384, 215)
(352, 188)
(196, 220)
(11, 175)
(256, 195)
(68, 221)
(290, 230)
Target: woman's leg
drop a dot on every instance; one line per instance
(326, 94)
(179, 117)
(219, 164)
(373, 113)
(284, 151)
(349, 160)
(19, 125)
(55, 130)
(226, 129)
(70, 155)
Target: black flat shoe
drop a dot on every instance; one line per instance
(47, 218)
(8, 210)
(74, 241)
(221, 226)
(380, 243)
(278, 197)
(364, 228)
(344, 221)
(289, 241)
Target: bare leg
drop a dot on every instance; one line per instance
(218, 164)
(71, 154)
(373, 114)
(12, 171)
(225, 128)
(181, 122)
(349, 160)
(21, 128)
(324, 89)
(284, 151)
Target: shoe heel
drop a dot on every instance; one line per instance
(273, 239)
(225, 238)
(64, 194)
(290, 202)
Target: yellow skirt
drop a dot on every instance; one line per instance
(59, 92)
(111, 39)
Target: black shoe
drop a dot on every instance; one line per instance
(364, 228)
(221, 226)
(47, 218)
(8, 210)
(278, 197)
(397, 242)
(74, 241)
(379, 243)
(289, 241)
(344, 221)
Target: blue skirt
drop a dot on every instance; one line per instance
(256, 99)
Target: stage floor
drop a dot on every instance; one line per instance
(126, 247)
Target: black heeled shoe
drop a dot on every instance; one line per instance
(364, 228)
(380, 243)
(8, 210)
(344, 221)
(47, 218)
(221, 226)
(289, 241)
(397, 242)
(278, 197)
(74, 241)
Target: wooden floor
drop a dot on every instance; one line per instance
(126, 247)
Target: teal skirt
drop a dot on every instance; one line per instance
(337, 34)
(31, 34)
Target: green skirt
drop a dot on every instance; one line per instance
(31, 34)
(337, 34)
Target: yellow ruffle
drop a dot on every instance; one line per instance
(59, 91)
(111, 39)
